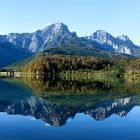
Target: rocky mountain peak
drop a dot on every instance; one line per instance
(55, 29)
(60, 26)
(101, 32)
(123, 38)
(100, 36)
(120, 44)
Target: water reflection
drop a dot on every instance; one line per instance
(55, 101)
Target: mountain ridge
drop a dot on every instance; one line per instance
(120, 44)
(58, 34)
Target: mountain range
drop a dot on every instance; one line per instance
(57, 35)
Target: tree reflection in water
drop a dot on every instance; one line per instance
(54, 101)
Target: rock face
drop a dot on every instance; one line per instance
(121, 44)
(59, 34)
(53, 35)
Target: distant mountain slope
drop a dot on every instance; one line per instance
(84, 51)
(9, 54)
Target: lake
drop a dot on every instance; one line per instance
(40, 108)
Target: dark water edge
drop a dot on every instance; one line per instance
(42, 108)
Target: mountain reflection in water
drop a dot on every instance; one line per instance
(56, 101)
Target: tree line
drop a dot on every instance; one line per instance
(44, 64)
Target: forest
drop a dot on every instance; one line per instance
(56, 64)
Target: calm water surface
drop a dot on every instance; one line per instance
(35, 109)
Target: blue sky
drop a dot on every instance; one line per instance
(83, 16)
